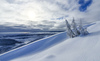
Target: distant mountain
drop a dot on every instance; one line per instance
(8, 42)
(16, 29)
(21, 28)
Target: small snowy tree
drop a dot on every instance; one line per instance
(83, 31)
(69, 31)
(74, 28)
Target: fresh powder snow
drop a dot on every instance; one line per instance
(60, 48)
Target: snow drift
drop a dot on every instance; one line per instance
(83, 48)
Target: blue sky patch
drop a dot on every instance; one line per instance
(84, 4)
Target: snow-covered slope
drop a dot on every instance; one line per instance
(34, 47)
(83, 48)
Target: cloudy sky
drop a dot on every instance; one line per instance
(47, 14)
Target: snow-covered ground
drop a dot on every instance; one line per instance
(12, 40)
(60, 48)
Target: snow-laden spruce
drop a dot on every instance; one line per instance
(69, 31)
(73, 30)
(83, 31)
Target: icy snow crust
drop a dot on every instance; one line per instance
(60, 48)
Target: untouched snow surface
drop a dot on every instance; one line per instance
(60, 48)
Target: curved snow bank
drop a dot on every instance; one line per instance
(34, 47)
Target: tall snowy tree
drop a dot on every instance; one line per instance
(69, 31)
(74, 28)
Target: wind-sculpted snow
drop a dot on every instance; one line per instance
(82, 48)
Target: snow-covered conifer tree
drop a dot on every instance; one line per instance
(74, 28)
(69, 31)
(83, 31)
(75, 31)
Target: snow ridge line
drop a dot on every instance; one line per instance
(32, 43)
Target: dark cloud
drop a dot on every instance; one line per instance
(47, 14)
(48, 22)
(10, 1)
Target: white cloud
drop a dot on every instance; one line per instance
(27, 11)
